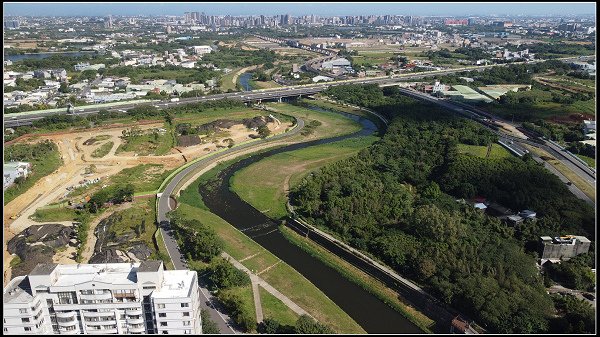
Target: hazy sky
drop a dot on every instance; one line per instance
(325, 9)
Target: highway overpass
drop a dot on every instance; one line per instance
(26, 118)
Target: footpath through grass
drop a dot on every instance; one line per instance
(281, 276)
(275, 309)
(278, 172)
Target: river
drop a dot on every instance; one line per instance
(40, 56)
(373, 315)
(245, 81)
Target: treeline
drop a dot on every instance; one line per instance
(545, 50)
(181, 75)
(396, 200)
(237, 57)
(113, 194)
(59, 61)
(57, 122)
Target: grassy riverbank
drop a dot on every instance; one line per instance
(277, 273)
(361, 278)
(278, 172)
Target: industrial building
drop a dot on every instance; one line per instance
(111, 298)
(563, 247)
(337, 63)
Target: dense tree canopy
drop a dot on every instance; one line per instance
(396, 200)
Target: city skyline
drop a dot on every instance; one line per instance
(308, 8)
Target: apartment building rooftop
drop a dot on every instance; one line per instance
(176, 284)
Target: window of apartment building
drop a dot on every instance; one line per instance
(27, 328)
(162, 314)
(22, 311)
(186, 314)
(186, 322)
(185, 305)
(161, 305)
(24, 320)
(163, 323)
(165, 332)
(87, 292)
(149, 287)
(67, 297)
(187, 332)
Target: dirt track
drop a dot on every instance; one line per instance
(77, 157)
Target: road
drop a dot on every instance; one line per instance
(216, 311)
(18, 119)
(515, 144)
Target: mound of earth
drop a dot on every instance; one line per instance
(124, 247)
(256, 122)
(37, 244)
(188, 140)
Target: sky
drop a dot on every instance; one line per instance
(306, 8)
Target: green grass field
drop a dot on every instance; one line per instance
(148, 143)
(275, 309)
(283, 277)
(226, 80)
(141, 215)
(42, 165)
(54, 214)
(590, 161)
(481, 151)
(103, 150)
(545, 108)
(332, 124)
(144, 178)
(269, 196)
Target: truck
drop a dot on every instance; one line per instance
(176, 99)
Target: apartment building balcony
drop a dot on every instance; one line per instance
(65, 314)
(91, 297)
(66, 324)
(141, 329)
(105, 331)
(64, 331)
(134, 312)
(139, 320)
(98, 314)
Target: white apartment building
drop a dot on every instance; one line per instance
(111, 298)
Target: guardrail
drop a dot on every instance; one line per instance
(574, 156)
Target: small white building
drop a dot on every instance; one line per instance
(201, 50)
(321, 78)
(13, 170)
(189, 64)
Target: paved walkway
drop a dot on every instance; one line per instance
(256, 281)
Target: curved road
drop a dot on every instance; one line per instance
(223, 321)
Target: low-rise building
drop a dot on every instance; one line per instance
(13, 170)
(111, 298)
(563, 247)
